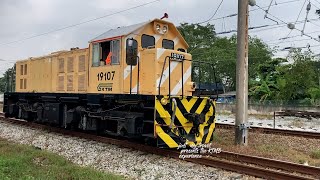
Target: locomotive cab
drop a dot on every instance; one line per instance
(135, 60)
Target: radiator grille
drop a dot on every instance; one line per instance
(82, 63)
(70, 64)
(25, 69)
(21, 83)
(82, 82)
(60, 83)
(70, 83)
(61, 65)
(25, 84)
(21, 69)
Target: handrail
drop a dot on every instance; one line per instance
(138, 81)
(164, 64)
(130, 78)
(182, 69)
(182, 77)
(138, 76)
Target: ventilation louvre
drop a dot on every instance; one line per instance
(82, 82)
(60, 83)
(25, 84)
(61, 65)
(70, 83)
(70, 65)
(82, 63)
(21, 83)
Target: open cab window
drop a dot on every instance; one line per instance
(106, 53)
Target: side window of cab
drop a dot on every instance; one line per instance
(106, 53)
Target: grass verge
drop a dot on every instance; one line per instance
(27, 162)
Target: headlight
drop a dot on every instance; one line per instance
(165, 29)
(164, 101)
(158, 27)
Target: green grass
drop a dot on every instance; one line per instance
(315, 154)
(26, 162)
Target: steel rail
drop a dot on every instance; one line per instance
(271, 163)
(305, 134)
(240, 166)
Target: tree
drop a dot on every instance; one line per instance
(7, 82)
(200, 38)
(299, 77)
(266, 86)
(221, 52)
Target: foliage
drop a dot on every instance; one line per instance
(265, 86)
(295, 78)
(7, 81)
(221, 52)
(26, 162)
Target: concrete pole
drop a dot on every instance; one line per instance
(241, 133)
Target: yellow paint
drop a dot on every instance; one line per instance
(44, 75)
(165, 137)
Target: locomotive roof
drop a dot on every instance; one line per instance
(120, 31)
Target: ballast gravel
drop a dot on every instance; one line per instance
(109, 158)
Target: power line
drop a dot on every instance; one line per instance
(77, 24)
(296, 19)
(317, 2)
(287, 23)
(263, 26)
(291, 36)
(281, 42)
(250, 28)
(213, 13)
(315, 5)
(286, 2)
(315, 24)
(233, 15)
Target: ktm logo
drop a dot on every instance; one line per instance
(105, 87)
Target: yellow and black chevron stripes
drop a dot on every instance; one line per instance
(183, 130)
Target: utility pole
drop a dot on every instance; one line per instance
(241, 127)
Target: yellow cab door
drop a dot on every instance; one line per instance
(139, 75)
(104, 74)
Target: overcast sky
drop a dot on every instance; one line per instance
(20, 19)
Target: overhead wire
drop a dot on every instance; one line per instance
(235, 14)
(213, 14)
(287, 23)
(253, 29)
(317, 2)
(314, 5)
(296, 19)
(281, 42)
(80, 23)
(290, 37)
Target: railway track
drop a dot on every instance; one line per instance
(305, 134)
(254, 166)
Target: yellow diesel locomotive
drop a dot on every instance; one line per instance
(132, 82)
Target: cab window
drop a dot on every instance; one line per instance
(147, 41)
(131, 52)
(167, 44)
(106, 53)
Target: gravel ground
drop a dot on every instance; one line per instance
(290, 123)
(109, 158)
(286, 148)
